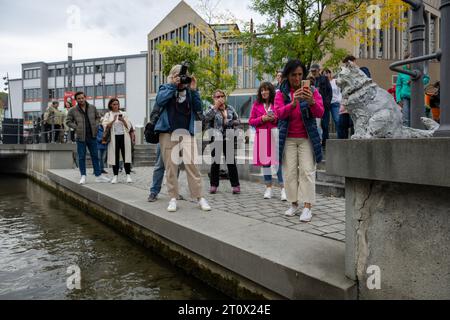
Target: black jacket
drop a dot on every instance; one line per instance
(325, 90)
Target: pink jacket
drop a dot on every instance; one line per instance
(296, 126)
(262, 148)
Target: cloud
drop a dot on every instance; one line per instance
(40, 30)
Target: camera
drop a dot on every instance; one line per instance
(184, 78)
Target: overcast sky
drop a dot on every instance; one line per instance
(33, 31)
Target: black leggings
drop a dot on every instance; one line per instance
(120, 147)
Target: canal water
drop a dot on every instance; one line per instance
(41, 236)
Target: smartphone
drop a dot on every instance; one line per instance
(306, 84)
(120, 116)
(270, 113)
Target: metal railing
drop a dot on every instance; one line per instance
(417, 31)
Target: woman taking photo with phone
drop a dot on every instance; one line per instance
(265, 121)
(120, 145)
(223, 117)
(297, 105)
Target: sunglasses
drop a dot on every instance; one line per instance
(218, 97)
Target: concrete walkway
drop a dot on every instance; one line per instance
(329, 212)
(244, 234)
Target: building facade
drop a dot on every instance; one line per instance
(184, 24)
(124, 77)
(391, 45)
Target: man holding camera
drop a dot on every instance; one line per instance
(179, 103)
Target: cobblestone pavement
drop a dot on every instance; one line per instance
(329, 212)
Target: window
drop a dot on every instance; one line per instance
(120, 90)
(60, 72)
(79, 70)
(230, 58)
(78, 89)
(99, 91)
(99, 69)
(60, 93)
(184, 36)
(120, 67)
(239, 57)
(155, 83)
(90, 91)
(110, 91)
(32, 74)
(32, 94)
(110, 68)
(52, 94)
(172, 35)
(52, 73)
(89, 69)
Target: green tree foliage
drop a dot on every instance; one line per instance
(209, 70)
(177, 53)
(307, 30)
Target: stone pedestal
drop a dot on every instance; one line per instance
(397, 215)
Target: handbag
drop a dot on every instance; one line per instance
(106, 138)
(150, 135)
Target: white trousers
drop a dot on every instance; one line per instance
(299, 170)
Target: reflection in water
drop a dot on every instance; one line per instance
(41, 236)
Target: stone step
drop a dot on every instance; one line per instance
(330, 189)
(323, 176)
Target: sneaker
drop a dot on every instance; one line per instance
(306, 215)
(102, 179)
(204, 205)
(293, 210)
(180, 197)
(104, 172)
(115, 180)
(83, 180)
(172, 205)
(152, 197)
(237, 190)
(129, 180)
(268, 193)
(213, 190)
(283, 195)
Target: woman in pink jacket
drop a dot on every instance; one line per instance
(265, 153)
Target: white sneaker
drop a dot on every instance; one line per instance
(306, 215)
(129, 180)
(293, 210)
(204, 205)
(268, 193)
(83, 180)
(172, 205)
(283, 195)
(115, 180)
(102, 179)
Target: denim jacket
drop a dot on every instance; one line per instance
(165, 94)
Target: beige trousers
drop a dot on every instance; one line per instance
(170, 151)
(299, 170)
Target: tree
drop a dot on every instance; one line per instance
(310, 28)
(206, 60)
(176, 53)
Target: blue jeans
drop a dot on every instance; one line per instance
(335, 114)
(325, 123)
(102, 158)
(158, 173)
(406, 110)
(267, 170)
(81, 149)
(345, 123)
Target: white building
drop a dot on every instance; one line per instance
(122, 77)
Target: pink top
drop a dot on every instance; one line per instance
(263, 153)
(296, 126)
